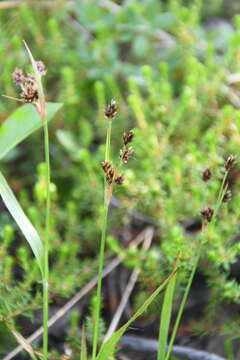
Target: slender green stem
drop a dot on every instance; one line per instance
(46, 243)
(102, 249)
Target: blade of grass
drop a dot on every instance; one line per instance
(166, 317)
(183, 302)
(23, 222)
(21, 123)
(83, 355)
(109, 346)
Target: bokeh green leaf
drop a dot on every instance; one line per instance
(21, 123)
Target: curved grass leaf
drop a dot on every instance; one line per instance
(109, 346)
(166, 317)
(21, 219)
(21, 123)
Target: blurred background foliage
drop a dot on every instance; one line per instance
(173, 68)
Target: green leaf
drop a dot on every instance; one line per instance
(166, 317)
(22, 123)
(21, 219)
(109, 346)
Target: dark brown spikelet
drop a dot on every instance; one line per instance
(106, 165)
(110, 175)
(227, 196)
(207, 214)
(119, 179)
(206, 175)
(111, 110)
(128, 137)
(125, 154)
(18, 77)
(29, 94)
(41, 68)
(230, 162)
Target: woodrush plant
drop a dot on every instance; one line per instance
(209, 220)
(112, 176)
(185, 85)
(31, 93)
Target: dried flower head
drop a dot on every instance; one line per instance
(30, 79)
(111, 110)
(207, 214)
(110, 175)
(128, 137)
(227, 196)
(125, 154)
(206, 175)
(29, 94)
(230, 162)
(106, 165)
(41, 68)
(119, 179)
(18, 77)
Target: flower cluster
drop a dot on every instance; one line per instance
(112, 172)
(111, 110)
(27, 83)
(208, 212)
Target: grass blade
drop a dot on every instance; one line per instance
(83, 355)
(166, 317)
(109, 346)
(21, 123)
(21, 219)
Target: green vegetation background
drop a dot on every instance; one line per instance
(169, 65)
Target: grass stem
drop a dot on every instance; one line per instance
(107, 196)
(46, 242)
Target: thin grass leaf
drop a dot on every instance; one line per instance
(83, 355)
(21, 123)
(21, 219)
(166, 317)
(109, 346)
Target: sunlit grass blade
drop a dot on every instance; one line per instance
(166, 317)
(83, 355)
(21, 219)
(21, 123)
(109, 346)
(183, 302)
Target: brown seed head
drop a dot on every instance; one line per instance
(128, 137)
(110, 175)
(206, 175)
(119, 179)
(41, 68)
(227, 196)
(29, 94)
(230, 162)
(125, 154)
(30, 79)
(111, 110)
(207, 214)
(106, 165)
(18, 77)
